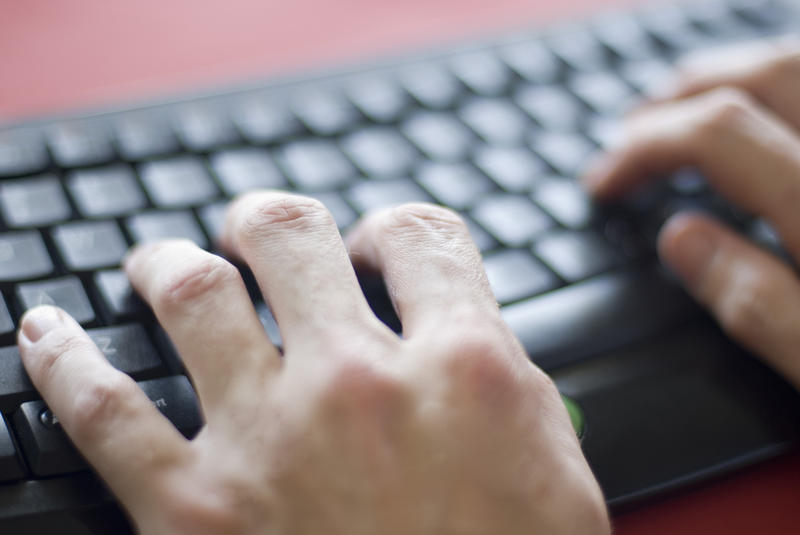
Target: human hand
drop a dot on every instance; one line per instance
(734, 114)
(449, 430)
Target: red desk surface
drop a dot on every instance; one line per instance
(63, 55)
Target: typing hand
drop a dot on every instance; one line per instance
(736, 115)
(354, 430)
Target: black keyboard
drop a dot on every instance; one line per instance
(497, 130)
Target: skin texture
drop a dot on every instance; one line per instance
(735, 114)
(448, 430)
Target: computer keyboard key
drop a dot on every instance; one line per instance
(379, 98)
(23, 255)
(144, 135)
(482, 239)
(21, 153)
(602, 91)
(105, 191)
(90, 245)
(32, 202)
(575, 256)
(65, 292)
(11, 467)
(342, 213)
(117, 299)
(607, 132)
(567, 154)
(432, 85)
(380, 152)
(176, 400)
(245, 169)
(267, 320)
(497, 121)
(156, 226)
(513, 220)
(79, 144)
(439, 135)
(372, 195)
(599, 314)
(177, 182)
(565, 201)
(129, 349)
(316, 165)
(48, 451)
(325, 111)
(15, 386)
(482, 72)
(201, 128)
(457, 185)
(625, 37)
(512, 169)
(7, 329)
(263, 120)
(673, 29)
(552, 107)
(579, 49)
(212, 218)
(515, 275)
(532, 61)
(650, 77)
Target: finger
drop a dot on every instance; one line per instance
(433, 270)
(754, 296)
(750, 156)
(201, 301)
(769, 70)
(107, 416)
(294, 249)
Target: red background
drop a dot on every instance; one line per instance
(63, 55)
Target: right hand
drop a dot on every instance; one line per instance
(736, 115)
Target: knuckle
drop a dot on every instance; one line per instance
(422, 218)
(212, 513)
(728, 108)
(98, 401)
(355, 382)
(193, 281)
(281, 212)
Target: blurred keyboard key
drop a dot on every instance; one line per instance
(579, 49)
(7, 329)
(439, 135)
(177, 182)
(604, 92)
(456, 185)
(142, 136)
(117, 298)
(532, 61)
(481, 238)
(263, 120)
(576, 256)
(106, 191)
(11, 467)
(515, 275)
(482, 72)
(23, 255)
(212, 217)
(650, 77)
(625, 37)
(552, 107)
(566, 202)
(372, 195)
(672, 28)
(513, 220)
(269, 323)
(90, 245)
(21, 153)
(65, 292)
(380, 152)
(316, 165)
(201, 128)
(324, 112)
(378, 97)
(568, 154)
(36, 201)
(512, 169)
(79, 144)
(496, 121)
(432, 85)
(245, 169)
(156, 226)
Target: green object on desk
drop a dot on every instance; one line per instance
(575, 415)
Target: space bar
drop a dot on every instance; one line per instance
(597, 315)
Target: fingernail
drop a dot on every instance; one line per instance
(39, 321)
